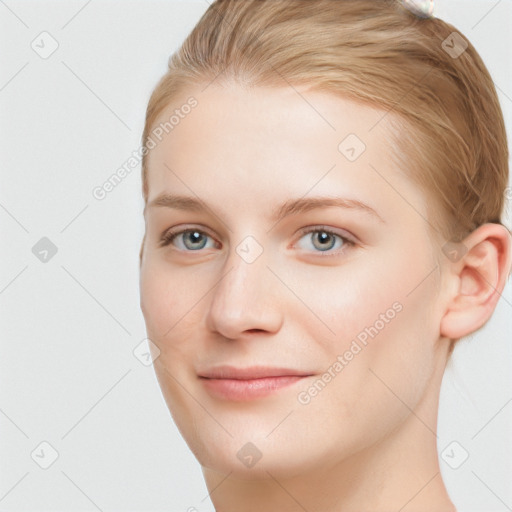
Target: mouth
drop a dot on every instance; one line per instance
(243, 384)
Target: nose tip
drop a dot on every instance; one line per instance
(241, 302)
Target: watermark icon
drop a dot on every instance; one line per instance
(454, 45)
(455, 455)
(352, 147)
(454, 251)
(100, 192)
(357, 345)
(249, 249)
(45, 45)
(44, 455)
(146, 352)
(249, 455)
(44, 250)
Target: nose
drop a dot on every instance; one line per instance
(245, 299)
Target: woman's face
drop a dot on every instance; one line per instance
(337, 305)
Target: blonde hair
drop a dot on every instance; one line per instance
(451, 137)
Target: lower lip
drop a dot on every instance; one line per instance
(241, 390)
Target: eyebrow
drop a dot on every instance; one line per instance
(290, 207)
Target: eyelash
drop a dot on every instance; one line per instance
(169, 235)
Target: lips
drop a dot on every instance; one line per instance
(242, 384)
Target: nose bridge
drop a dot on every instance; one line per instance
(242, 299)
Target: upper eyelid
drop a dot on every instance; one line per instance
(335, 231)
(169, 235)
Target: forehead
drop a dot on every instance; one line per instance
(277, 116)
(240, 142)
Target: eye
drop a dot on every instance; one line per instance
(191, 239)
(323, 240)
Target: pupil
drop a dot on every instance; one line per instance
(194, 237)
(324, 238)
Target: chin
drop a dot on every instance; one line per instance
(271, 464)
(253, 457)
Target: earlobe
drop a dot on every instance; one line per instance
(480, 277)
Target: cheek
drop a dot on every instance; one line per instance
(167, 304)
(349, 299)
(164, 299)
(154, 298)
(172, 302)
(375, 378)
(384, 333)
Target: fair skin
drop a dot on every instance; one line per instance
(367, 440)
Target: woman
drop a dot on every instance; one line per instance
(324, 184)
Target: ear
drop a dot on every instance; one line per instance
(477, 280)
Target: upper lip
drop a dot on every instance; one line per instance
(253, 372)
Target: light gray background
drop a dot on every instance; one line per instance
(69, 326)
